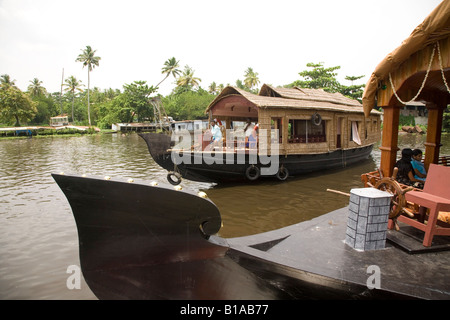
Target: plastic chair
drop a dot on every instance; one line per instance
(436, 197)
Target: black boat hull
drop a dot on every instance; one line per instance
(221, 167)
(138, 241)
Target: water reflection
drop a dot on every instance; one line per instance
(38, 236)
(270, 204)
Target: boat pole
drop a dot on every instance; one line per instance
(339, 192)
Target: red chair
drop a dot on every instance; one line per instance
(436, 197)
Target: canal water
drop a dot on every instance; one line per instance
(38, 236)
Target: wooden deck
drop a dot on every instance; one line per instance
(317, 246)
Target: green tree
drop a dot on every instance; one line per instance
(240, 85)
(5, 81)
(111, 94)
(15, 105)
(187, 81)
(251, 79)
(318, 78)
(213, 88)
(188, 105)
(137, 99)
(89, 60)
(72, 85)
(353, 91)
(36, 89)
(170, 68)
(446, 120)
(115, 110)
(46, 107)
(325, 78)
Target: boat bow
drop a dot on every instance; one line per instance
(140, 241)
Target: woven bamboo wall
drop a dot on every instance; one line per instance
(368, 128)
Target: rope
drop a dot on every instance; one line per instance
(442, 69)
(423, 83)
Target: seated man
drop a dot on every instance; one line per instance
(405, 174)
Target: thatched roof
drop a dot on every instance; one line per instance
(292, 98)
(306, 94)
(435, 27)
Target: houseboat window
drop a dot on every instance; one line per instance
(375, 125)
(366, 129)
(354, 132)
(338, 132)
(304, 131)
(277, 126)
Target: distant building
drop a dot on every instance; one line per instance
(59, 121)
(418, 110)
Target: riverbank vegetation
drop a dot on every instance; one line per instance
(41, 133)
(133, 102)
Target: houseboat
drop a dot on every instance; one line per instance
(294, 131)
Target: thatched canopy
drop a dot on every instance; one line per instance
(236, 102)
(418, 70)
(409, 63)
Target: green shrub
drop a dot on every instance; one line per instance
(446, 122)
(407, 121)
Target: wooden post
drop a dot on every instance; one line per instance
(389, 139)
(433, 143)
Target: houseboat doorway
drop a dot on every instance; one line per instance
(338, 133)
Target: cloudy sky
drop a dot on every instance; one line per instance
(218, 39)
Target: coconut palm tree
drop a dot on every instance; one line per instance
(72, 85)
(187, 79)
(213, 88)
(5, 81)
(170, 68)
(88, 58)
(251, 78)
(35, 88)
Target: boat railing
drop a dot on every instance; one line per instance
(220, 146)
(307, 139)
(444, 160)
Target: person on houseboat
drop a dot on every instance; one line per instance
(248, 127)
(419, 169)
(405, 174)
(253, 138)
(248, 131)
(216, 133)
